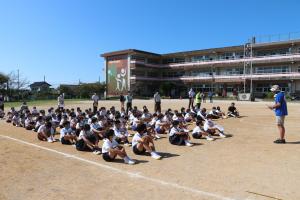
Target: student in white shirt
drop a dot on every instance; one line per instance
(160, 127)
(96, 129)
(198, 132)
(16, 119)
(66, 134)
(121, 134)
(95, 99)
(46, 132)
(141, 143)
(178, 136)
(111, 149)
(29, 123)
(210, 127)
(188, 117)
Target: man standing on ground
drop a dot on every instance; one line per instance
(280, 109)
(128, 102)
(122, 100)
(61, 101)
(95, 99)
(157, 103)
(210, 96)
(198, 100)
(191, 98)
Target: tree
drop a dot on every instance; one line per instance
(17, 81)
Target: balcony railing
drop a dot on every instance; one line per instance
(281, 57)
(217, 78)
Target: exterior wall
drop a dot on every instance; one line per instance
(210, 70)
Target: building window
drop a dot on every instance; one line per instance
(272, 70)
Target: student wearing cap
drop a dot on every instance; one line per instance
(280, 109)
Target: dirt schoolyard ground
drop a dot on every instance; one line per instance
(245, 166)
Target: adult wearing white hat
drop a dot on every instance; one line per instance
(280, 109)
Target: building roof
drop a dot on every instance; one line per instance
(127, 51)
(202, 51)
(38, 84)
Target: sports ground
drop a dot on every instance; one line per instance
(245, 166)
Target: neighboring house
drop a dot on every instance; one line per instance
(39, 86)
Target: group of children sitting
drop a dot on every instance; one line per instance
(84, 129)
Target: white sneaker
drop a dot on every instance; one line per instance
(96, 152)
(49, 139)
(210, 139)
(222, 135)
(187, 143)
(157, 137)
(128, 161)
(155, 156)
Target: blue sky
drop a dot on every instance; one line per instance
(62, 39)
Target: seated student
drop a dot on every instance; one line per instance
(96, 129)
(16, 119)
(9, 117)
(46, 132)
(198, 132)
(134, 119)
(24, 107)
(188, 117)
(214, 113)
(87, 141)
(141, 142)
(179, 137)
(160, 127)
(220, 113)
(201, 114)
(232, 111)
(67, 135)
(34, 111)
(210, 127)
(121, 134)
(39, 122)
(111, 149)
(22, 120)
(63, 119)
(29, 123)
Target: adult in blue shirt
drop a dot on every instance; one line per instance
(280, 109)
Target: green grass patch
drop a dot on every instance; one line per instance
(52, 102)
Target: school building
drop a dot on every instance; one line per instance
(248, 68)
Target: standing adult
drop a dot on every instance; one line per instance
(280, 109)
(203, 97)
(128, 102)
(157, 103)
(191, 95)
(95, 99)
(61, 101)
(122, 100)
(198, 100)
(210, 96)
(1, 102)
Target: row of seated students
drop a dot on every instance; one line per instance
(84, 129)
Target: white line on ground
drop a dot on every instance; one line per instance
(130, 174)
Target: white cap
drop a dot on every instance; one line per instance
(275, 88)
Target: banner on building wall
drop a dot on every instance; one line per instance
(117, 76)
